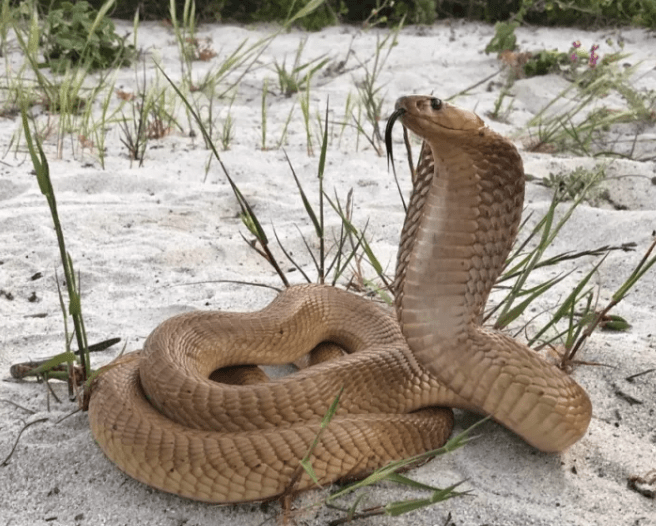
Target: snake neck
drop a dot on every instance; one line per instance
(462, 219)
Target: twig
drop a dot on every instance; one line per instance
(476, 85)
(634, 376)
(235, 281)
(289, 257)
(23, 369)
(6, 460)
(18, 405)
(369, 512)
(51, 392)
(68, 415)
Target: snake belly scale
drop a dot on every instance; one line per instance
(161, 419)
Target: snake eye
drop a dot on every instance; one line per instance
(436, 104)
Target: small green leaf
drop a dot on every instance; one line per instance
(613, 322)
(509, 316)
(400, 507)
(307, 466)
(65, 357)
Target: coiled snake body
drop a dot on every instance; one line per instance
(163, 421)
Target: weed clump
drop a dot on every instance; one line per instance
(77, 34)
(585, 13)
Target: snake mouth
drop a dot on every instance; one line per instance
(398, 112)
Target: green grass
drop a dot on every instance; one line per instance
(66, 93)
(370, 91)
(74, 305)
(298, 77)
(584, 127)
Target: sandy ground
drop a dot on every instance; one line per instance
(150, 242)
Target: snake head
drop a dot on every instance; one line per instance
(430, 117)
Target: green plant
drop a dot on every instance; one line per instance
(391, 473)
(152, 117)
(6, 21)
(66, 95)
(69, 100)
(283, 133)
(521, 264)
(133, 131)
(95, 126)
(369, 90)
(190, 47)
(596, 12)
(376, 16)
(580, 181)
(348, 110)
(504, 38)
(582, 124)
(224, 79)
(304, 102)
(545, 61)
(579, 13)
(185, 34)
(298, 77)
(417, 12)
(496, 112)
(262, 243)
(227, 132)
(577, 311)
(42, 171)
(265, 92)
(578, 129)
(312, 20)
(78, 34)
(590, 321)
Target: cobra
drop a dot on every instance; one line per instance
(161, 419)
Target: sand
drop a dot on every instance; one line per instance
(153, 241)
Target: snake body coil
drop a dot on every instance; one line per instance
(162, 420)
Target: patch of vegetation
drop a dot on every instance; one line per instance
(593, 12)
(76, 34)
(545, 61)
(297, 78)
(325, 15)
(582, 13)
(583, 120)
(578, 183)
(504, 38)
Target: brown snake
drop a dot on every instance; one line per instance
(223, 443)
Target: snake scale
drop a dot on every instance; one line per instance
(160, 418)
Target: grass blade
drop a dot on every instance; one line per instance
(40, 163)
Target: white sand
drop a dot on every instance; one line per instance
(148, 242)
